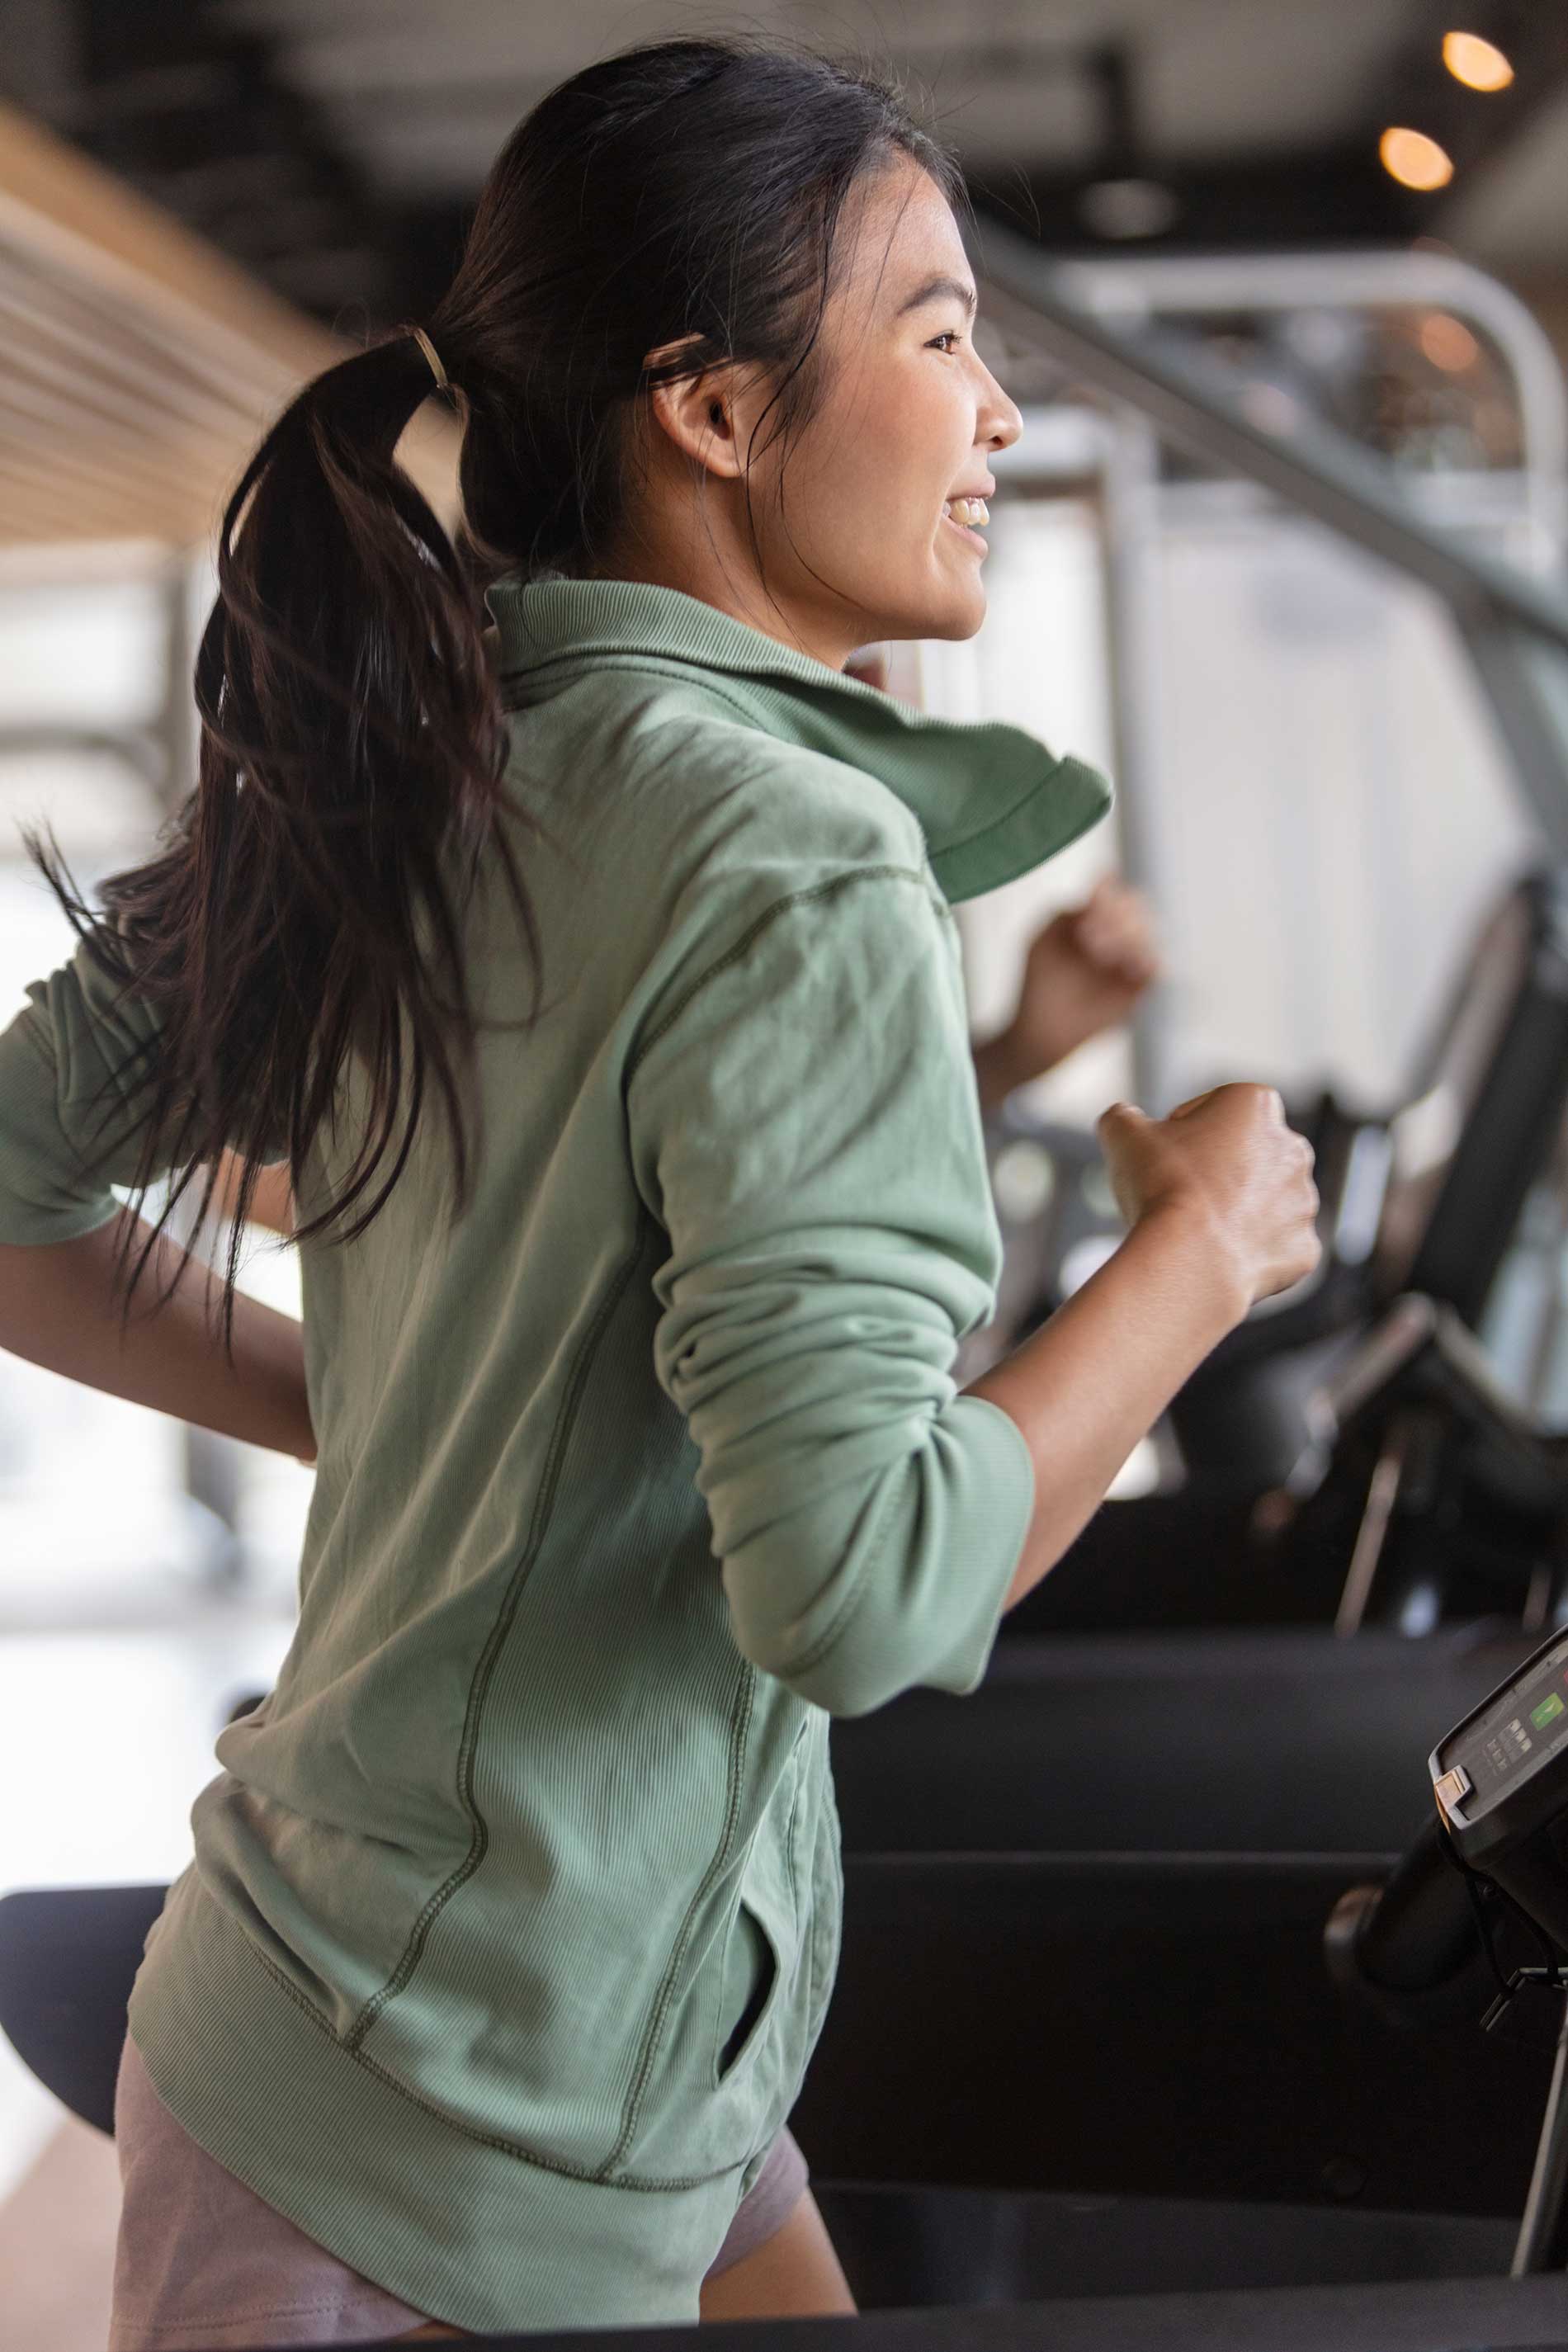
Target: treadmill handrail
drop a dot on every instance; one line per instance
(1395, 277)
(1416, 1328)
(1193, 403)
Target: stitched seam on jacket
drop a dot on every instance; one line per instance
(770, 915)
(793, 1817)
(479, 1688)
(740, 1729)
(503, 2146)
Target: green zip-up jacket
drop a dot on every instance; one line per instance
(629, 1480)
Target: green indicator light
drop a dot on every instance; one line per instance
(1542, 1714)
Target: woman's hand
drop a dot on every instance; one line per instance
(1083, 973)
(1229, 1164)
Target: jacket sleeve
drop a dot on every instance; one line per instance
(806, 1124)
(69, 1124)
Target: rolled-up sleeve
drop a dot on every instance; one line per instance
(69, 1128)
(805, 1125)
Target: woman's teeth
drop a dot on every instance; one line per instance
(972, 512)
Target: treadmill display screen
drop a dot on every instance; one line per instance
(1517, 1734)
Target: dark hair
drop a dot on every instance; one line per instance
(682, 192)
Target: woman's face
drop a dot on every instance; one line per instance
(854, 540)
(910, 418)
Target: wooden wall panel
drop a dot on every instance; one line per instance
(139, 367)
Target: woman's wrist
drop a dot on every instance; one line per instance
(1094, 1378)
(1181, 1235)
(998, 1068)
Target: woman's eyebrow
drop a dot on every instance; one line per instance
(937, 289)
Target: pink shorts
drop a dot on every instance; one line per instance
(202, 2260)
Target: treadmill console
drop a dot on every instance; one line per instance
(1518, 1734)
(1500, 1783)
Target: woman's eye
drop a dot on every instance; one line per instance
(948, 335)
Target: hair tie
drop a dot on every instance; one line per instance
(428, 348)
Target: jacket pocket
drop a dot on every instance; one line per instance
(761, 1949)
(727, 2064)
(749, 1976)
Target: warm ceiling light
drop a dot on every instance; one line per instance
(1414, 160)
(1476, 62)
(1447, 342)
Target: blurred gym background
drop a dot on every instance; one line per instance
(1282, 291)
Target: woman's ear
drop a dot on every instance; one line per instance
(698, 413)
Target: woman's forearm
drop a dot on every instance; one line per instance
(1094, 1378)
(57, 1310)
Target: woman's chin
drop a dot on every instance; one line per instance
(946, 608)
(958, 611)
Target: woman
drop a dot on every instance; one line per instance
(513, 1914)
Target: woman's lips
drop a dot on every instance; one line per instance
(975, 538)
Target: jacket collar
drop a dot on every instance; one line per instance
(990, 799)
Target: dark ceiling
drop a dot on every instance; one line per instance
(335, 147)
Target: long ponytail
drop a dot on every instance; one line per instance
(310, 902)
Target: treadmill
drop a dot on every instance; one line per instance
(1261, 1525)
